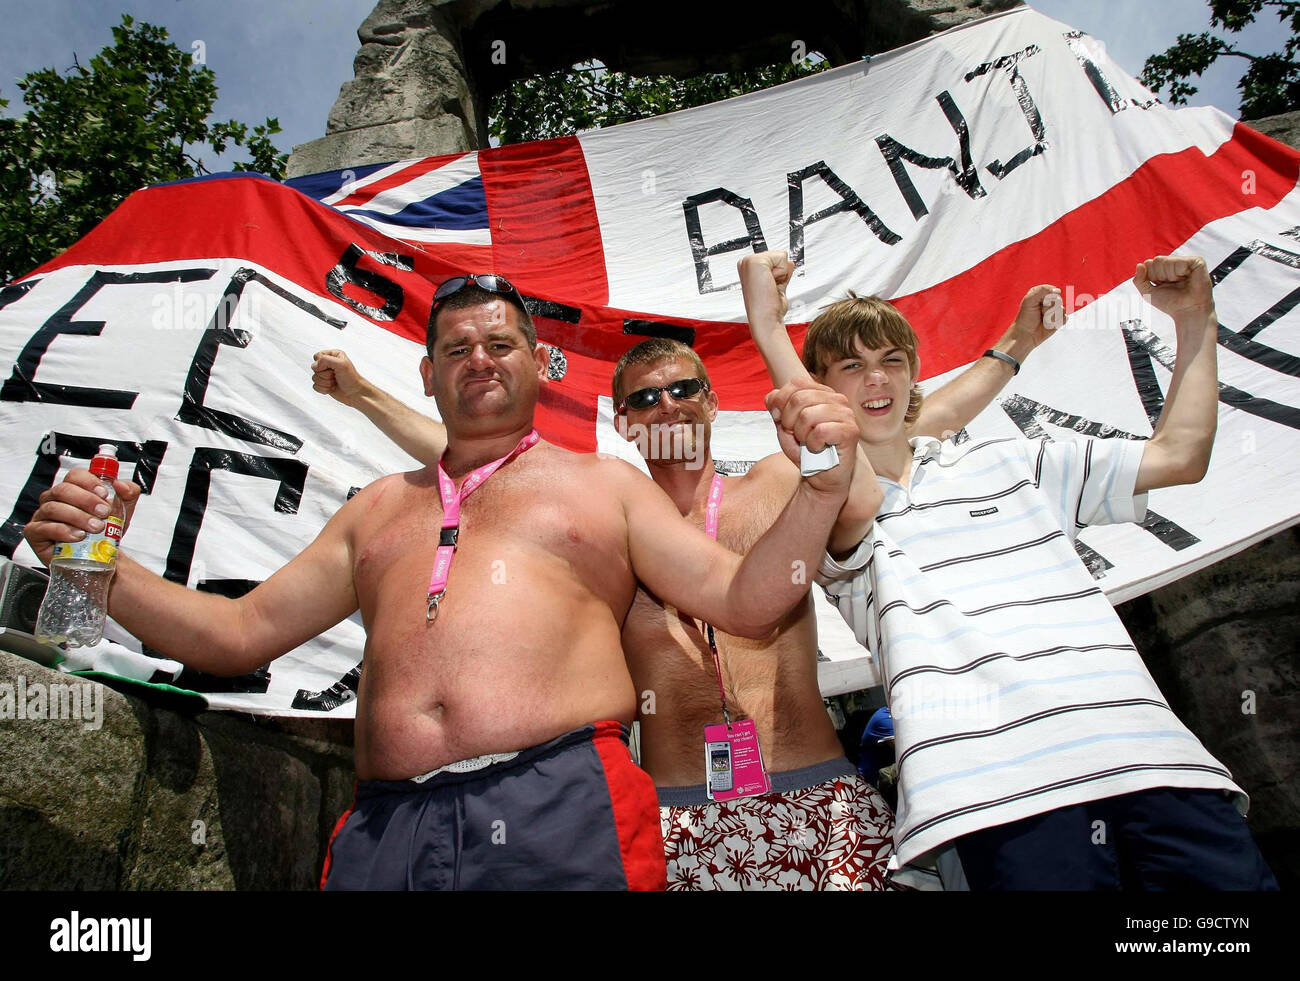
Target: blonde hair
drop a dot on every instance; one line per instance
(869, 319)
(648, 352)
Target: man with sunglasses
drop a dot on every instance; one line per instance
(493, 705)
(835, 831)
(822, 826)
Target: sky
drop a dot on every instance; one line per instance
(288, 58)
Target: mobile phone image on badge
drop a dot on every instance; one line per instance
(717, 758)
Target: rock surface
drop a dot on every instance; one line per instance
(1223, 644)
(159, 799)
(1285, 128)
(427, 69)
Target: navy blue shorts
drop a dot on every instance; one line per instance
(572, 813)
(1164, 839)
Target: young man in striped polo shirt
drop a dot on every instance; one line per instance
(1029, 734)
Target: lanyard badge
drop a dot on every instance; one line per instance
(450, 534)
(733, 761)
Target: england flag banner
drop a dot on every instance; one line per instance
(948, 176)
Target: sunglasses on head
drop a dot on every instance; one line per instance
(646, 398)
(485, 281)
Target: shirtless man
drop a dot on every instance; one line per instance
(482, 758)
(828, 828)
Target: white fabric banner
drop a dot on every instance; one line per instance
(948, 176)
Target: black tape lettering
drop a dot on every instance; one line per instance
(752, 239)
(1100, 83)
(1097, 564)
(849, 201)
(218, 332)
(1011, 65)
(16, 291)
(550, 310)
(291, 476)
(146, 458)
(340, 693)
(1279, 309)
(657, 328)
(21, 385)
(347, 271)
(1029, 415)
(1141, 341)
(1171, 534)
(1144, 373)
(967, 176)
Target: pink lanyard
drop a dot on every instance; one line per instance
(711, 529)
(451, 500)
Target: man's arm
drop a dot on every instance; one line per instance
(779, 476)
(1179, 449)
(335, 375)
(763, 280)
(211, 633)
(764, 277)
(946, 410)
(748, 597)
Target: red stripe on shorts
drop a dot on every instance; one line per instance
(325, 872)
(636, 810)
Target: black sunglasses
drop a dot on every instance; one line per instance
(646, 398)
(486, 281)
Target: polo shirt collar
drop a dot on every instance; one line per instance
(925, 448)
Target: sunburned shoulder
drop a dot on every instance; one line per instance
(386, 488)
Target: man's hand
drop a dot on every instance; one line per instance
(816, 416)
(763, 279)
(1041, 314)
(69, 510)
(1177, 285)
(334, 375)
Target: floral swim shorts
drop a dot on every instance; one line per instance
(822, 827)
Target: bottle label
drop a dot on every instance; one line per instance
(100, 548)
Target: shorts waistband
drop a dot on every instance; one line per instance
(784, 782)
(497, 763)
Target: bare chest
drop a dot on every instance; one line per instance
(523, 536)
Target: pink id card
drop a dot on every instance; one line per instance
(733, 762)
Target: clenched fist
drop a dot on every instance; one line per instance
(815, 416)
(763, 280)
(1178, 285)
(334, 375)
(1041, 314)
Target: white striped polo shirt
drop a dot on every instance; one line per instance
(1014, 687)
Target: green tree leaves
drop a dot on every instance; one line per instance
(136, 115)
(592, 97)
(1271, 83)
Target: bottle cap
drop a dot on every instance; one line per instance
(105, 462)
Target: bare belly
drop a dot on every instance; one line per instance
(525, 646)
(774, 683)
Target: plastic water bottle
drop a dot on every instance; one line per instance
(77, 598)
